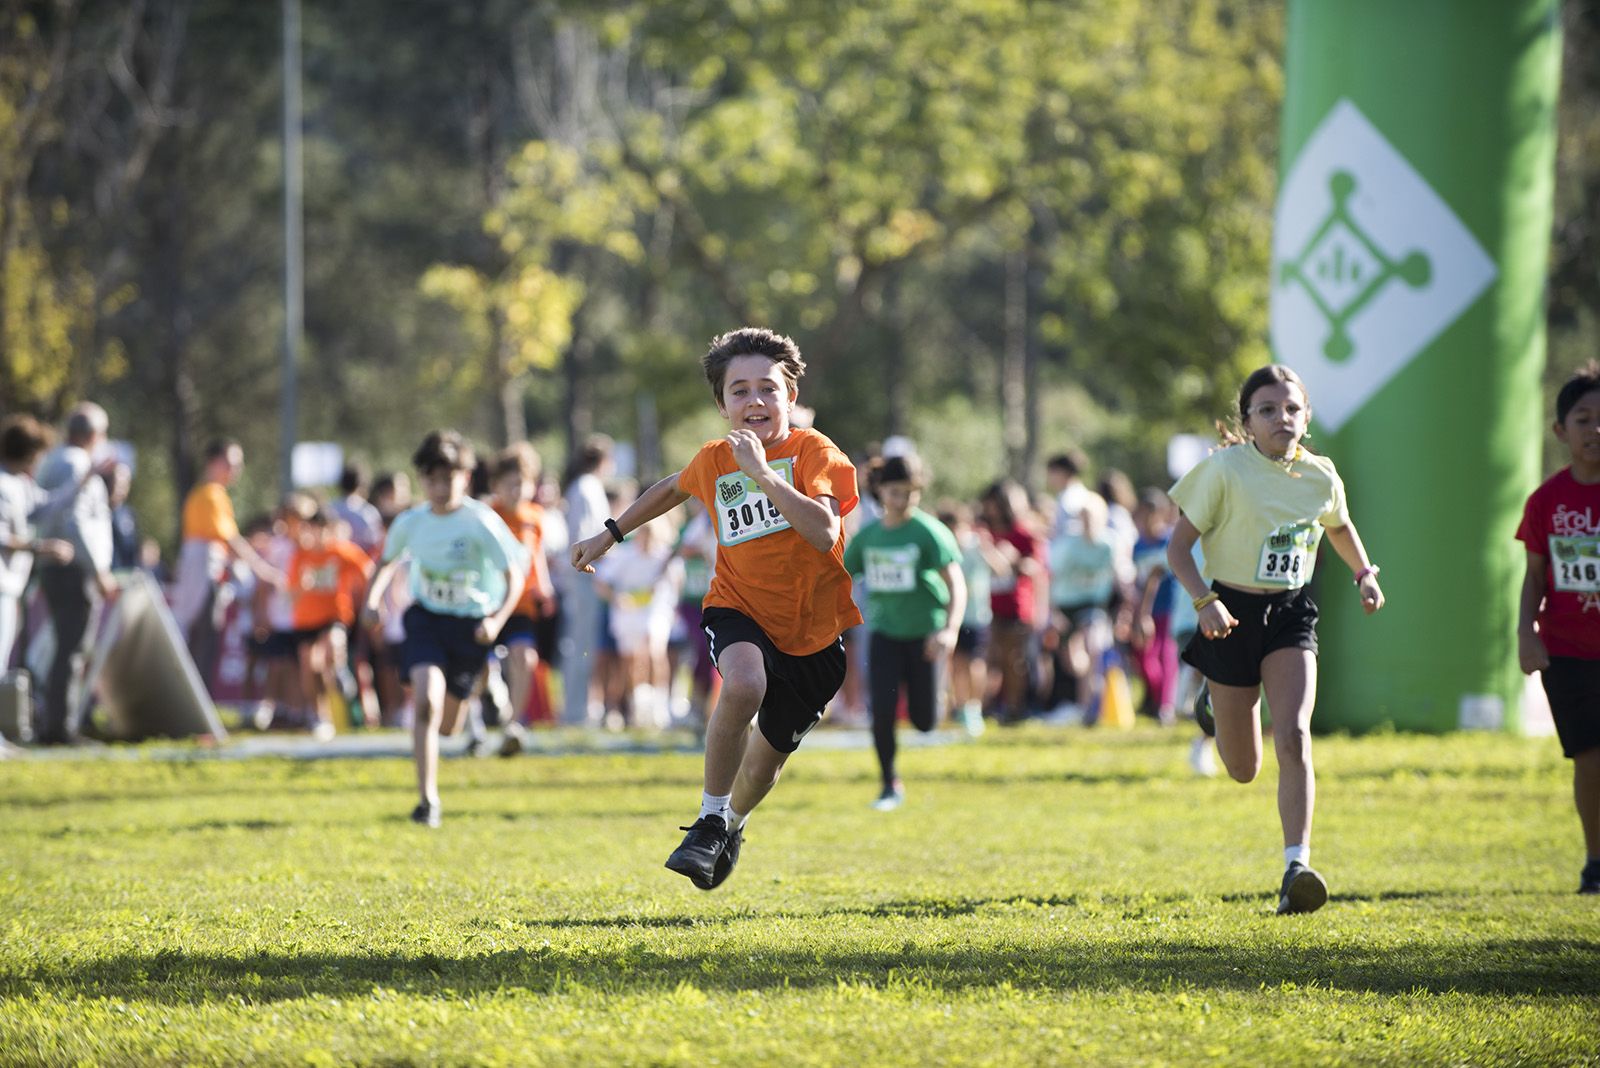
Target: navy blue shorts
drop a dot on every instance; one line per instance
(519, 630)
(277, 645)
(1285, 619)
(798, 687)
(449, 643)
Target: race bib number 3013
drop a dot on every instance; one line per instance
(1575, 564)
(744, 511)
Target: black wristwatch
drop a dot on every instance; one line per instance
(616, 531)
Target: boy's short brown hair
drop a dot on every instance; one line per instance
(22, 437)
(752, 341)
(446, 449)
(521, 458)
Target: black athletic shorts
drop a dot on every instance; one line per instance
(519, 630)
(1573, 687)
(972, 641)
(277, 645)
(449, 643)
(1285, 619)
(798, 687)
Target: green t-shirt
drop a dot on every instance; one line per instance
(906, 595)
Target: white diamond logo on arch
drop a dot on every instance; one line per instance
(1369, 265)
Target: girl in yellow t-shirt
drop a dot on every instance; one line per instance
(1259, 508)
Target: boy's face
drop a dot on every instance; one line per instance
(1580, 430)
(756, 397)
(445, 487)
(512, 488)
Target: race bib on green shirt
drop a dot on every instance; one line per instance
(1575, 563)
(1286, 556)
(744, 511)
(891, 570)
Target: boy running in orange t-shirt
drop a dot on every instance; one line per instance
(780, 596)
(513, 476)
(326, 577)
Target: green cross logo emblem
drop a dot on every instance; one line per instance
(1342, 269)
(1370, 264)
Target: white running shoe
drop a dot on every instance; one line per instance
(891, 798)
(1202, 757)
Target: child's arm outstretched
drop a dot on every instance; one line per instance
(1531, 652)
(1347, 543)
(658, 500)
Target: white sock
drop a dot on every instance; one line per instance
(736, 819)
(712, 805)
(1302, 853)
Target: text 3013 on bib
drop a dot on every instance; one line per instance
(744, 511)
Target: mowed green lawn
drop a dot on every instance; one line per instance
(1045, 897)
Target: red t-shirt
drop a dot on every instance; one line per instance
(1561, 522)
(799, 596)
(1012, 597)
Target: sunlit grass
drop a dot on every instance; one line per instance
(1044, 897)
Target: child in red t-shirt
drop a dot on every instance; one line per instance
(1558, 625)
(779, 597)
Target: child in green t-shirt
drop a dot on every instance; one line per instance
(916, 596)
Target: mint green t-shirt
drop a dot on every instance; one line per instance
(458, 560)
(907, 596)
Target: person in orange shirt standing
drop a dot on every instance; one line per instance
(327, 577)
(513, 476)
(780, 595)
(210, 535)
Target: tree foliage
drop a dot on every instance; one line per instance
(1006, 224)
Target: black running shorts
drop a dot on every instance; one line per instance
(1573, 687)
(1285, 619)
(798, 687)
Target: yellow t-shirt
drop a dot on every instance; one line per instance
(1260, 524)
(208, 514)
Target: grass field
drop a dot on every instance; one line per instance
(1046, 896)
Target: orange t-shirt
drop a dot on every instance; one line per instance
(525, 519)
(324, 583)
(208, 514)
(799, 596)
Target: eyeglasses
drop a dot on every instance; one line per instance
(1270, 411)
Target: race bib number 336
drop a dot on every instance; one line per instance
(744, 512)
(1286, 556)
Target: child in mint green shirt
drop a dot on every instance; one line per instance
(467, 571)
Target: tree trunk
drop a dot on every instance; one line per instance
(1014, 365)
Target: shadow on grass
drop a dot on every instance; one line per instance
(1499, 967)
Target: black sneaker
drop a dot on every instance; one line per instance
(1202, 711)
(1303, 890)
(696, 857)
(1589, 881)
(727, 861)
(426, 813)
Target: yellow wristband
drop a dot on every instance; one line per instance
(1201, 602)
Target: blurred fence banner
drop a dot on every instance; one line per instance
(142, 672)
(1408, 262)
